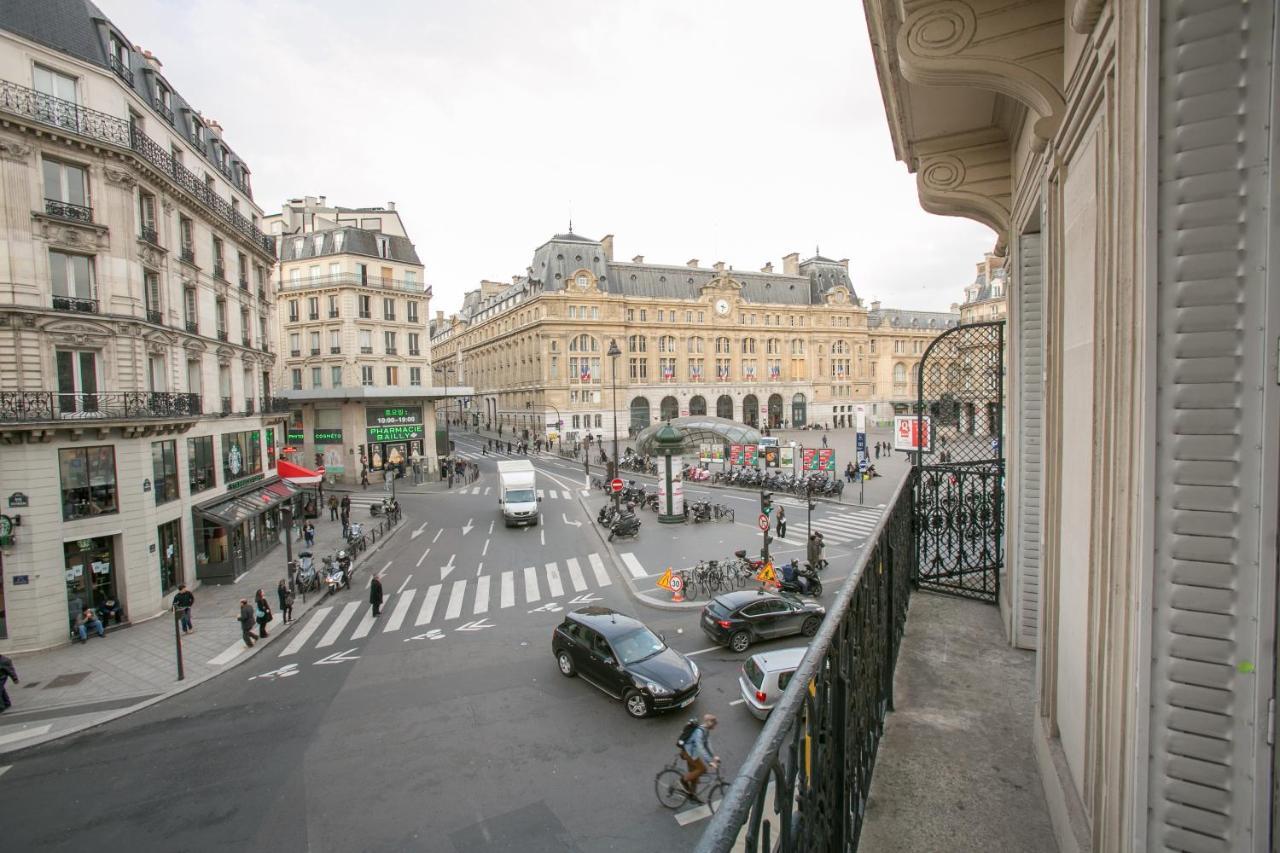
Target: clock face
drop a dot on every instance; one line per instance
(722, 307)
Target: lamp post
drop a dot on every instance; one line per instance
(613, 354)
(443, 370)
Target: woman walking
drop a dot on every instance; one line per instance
(286, 601)
(262, 612)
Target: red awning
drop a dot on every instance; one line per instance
(297, 474)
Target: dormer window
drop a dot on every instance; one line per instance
(384, 247)
(297, 247)
(583, 281)
(338, 239)
(317, 244)
(118, 58)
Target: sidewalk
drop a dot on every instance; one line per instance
(956, 769)
(71, 688)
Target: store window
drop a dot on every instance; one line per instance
(88, 481)
(164, 470)
(89, 570)
(241, 455)
(200, 474)
(169, 550)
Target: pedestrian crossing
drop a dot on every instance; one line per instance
(849, 525)
(453, 600)
(545, 494)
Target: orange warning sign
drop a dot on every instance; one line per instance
(767, 574)
(665, 580)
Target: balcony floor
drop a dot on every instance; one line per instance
(956, 769)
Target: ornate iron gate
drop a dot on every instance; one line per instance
(959, 477)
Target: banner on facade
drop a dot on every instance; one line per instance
(906, 433)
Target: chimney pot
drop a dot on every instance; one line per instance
(638, 259)
(606, 244)
(692, 262)
(718, 266)
(791, 264)
(322, 201)
(767, 267)
(391, 205)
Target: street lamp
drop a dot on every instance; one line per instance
(444, 371)
(613, 354)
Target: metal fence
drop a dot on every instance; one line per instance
(804, 786)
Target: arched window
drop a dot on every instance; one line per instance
(584, 343)
(666, 343)
(899, 372)
(637, 343)
(840, 347)
(773, 346)
(722, 346)
(748, 346)
(695, 346)
(797, 346)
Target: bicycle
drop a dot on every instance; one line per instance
(671, 793)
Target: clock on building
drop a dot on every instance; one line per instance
(722, 307)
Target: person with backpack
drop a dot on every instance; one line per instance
(695, 749)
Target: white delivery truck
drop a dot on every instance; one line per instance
(517, 492)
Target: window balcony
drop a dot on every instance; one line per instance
(67, 210)
(46, 406)
(246, 342)
(333, 315)
(226, 406)
(161, 108)
(75, 304)
(244, 282)
(219, 270)
(364, 315)
(262, 293)
(193, 327)
(390, 318)
(415, 352)
(222, 334)
(154, 316)
(295, 353)
(366, 350)
(122, 70)
(148, 233)
(391, 350)
(315, 350)
(188, 255)
(314, 315)
(335, 350)
(293, 318)
(248, 407)
(275, 405)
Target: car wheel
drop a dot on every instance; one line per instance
(739, 641)
(565, 662)
(810, 626)
(637, 706)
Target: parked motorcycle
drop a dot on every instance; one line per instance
(699, 511)
(344, 564)
(306, 578)
(354, 531)
(334, 576)
(383, 507)
(805, 583)
(627, 524)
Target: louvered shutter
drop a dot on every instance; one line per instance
(1029, 293)
(1207, 729)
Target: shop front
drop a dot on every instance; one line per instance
(90, 570)
(393, 437)
(234, 531)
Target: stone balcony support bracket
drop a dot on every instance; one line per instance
(967, 175)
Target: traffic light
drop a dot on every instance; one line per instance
(766, 502)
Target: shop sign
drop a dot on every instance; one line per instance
(18, 499)
(252, 478)
(376, 416)
(404, 432)
(295, 436)
(326, 436)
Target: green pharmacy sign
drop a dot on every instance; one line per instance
(401, 432)
(326, 436)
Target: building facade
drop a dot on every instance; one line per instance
(790, 348)
(354, 341)
(136, 333)
(1124, 154)
(984, 299)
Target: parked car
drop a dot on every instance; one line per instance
(765, 675)
(624, 659)
(738, 619)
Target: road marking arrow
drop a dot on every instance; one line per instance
(586, 598)
(339, 657)
(567, 521)
(478, 625)
(433, 634)
(283, 672)
(447, 567)
(468, 527)
(549, 607)
(418, 531)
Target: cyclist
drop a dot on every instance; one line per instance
(697, 754)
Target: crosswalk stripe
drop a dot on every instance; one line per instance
(428, 608)
(597, 566)
(508, 595)
(402, 609)
(486, 490)
(366, 624)
(586, 493)
(482, 595)
(554, 587)
(633, 565)
(476, 490)
(554, 495)
(455, 600)
(335, 630)
(530, 585)
(575, 575)
(540, 493)
(304, 633)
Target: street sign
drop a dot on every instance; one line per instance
(615, 485)
(665, 581)
(767, 575)
(676, 584)
(763, 521)
(906, 433)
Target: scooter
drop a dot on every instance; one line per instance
(333, 576)
(699, 511)
(344, 564)
(627, 524)
(806, 582)
(383, 507)
(354, 531)
(306, 577)
(607, 515)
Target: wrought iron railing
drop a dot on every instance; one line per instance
(163, 109)
(120, 68)
(193, 327)
(244, 282)
(104, 127)
(222, 334)
(352, 279)
(248, 407)
(295, 353)
(73, 303)
(246, 342)
(335, 350)
(67, 210)
(189, 255)
(262, 293)
(226, 406)
(39, 406)
(220, 270)
(154, 316)
(148, 233)
(275, 405)
(805, 783)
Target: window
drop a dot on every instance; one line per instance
(411, 279)
(668, 369)
(88, 481)
(77, 380)
(415, 376)
(388, 309)
(393, 376)
(335, 341)
(700, 316)
(411, 309)
(241, 455)
(899, 373)
(584, 343)
(218, 269)
(333, 307)
(696, 367)
(156, 377)
(66, 183)
(296, 375)
(643, 315)
(389, 342)
(200, 463)
(573, 312)
(335, 376)
(631, 315)
(748, 346)
(187, 234)
(317, 377)
(413, 344)
(164, 470)
(55, 83)
(639, 369)
(366, 375)
(365, 309)
(797, 346)
(694, 345)
(72, 279)
(598, 419)
(595, 312)
(151, 295)
(313, 338)
(313, 307)
(637, 343)
(366, 341)
(555, 366)
(722, 346)
(295, 344)
(293, 310)
(666, 343)
(873, 346)
(723, 368)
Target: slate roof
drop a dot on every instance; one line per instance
(897, 319)
(981, 289)
(356, 242)
(79, 28)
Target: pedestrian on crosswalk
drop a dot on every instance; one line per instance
(375, 595)
(781, 525)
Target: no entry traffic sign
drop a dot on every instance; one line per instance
(763, 522)
(615, 484)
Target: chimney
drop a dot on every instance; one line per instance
(212, 123)
(439, 318)
(955, 309)
(391, 205)
(322, 201)
(638, 259)
(606, 243)
(718, 266)
(152, 59)
(875, 306)
(692, 262)
(844, 262)
(767, 267)
(515, 279)
(791, 264)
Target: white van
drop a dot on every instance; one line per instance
(518, 492)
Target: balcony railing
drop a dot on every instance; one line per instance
(248, 407)
(333, 315)
(154, 316)
(226, 406)
(189, 255)
(295, 353)
(274, 405)
(67, 210)
(335, 350)
(262, 293)
(120, 68)
(193, 327)
(819, 745)
(314, 315)
(244, 282)
(163, 109)
(220, 270)
(148, 233)
(72, 303)
(222, 334)
(72, 117)
(41, 406)
(245, 341)
(354, 280)
(315, 350)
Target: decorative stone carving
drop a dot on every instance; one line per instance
(78, 333)
(971, 179)
(166, 205)
(150, 255)
(74, 235)
(120, 177)
(13, 150)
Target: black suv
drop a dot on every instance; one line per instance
(625, 659)
(737, 619)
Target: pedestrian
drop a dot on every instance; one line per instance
(86, 621)
(333, 507)
(364, 477)
(7, 671)
(346, 522)
(182, 603)
(451, 476)
(811, 550)
(285, 597)
(309, 534)
(781, 525)
(246, 623)
(262, 613)
(824, 441)
(375, 594)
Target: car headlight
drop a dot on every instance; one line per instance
(657, 689)
(693, 666)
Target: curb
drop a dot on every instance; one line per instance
(187, 684)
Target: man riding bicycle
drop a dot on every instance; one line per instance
(697, 755)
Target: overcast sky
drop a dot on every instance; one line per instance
(736, 131)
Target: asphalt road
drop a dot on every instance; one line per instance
(442, 725)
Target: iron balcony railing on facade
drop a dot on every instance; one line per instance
(188, 255)
(333, 315)
(244, 341)
(219, 270)
(262, 292)
(295, 353)
(315, 350)
(335, 350)
(248, 407)
(244, 282)
(193, 327)
(163, 109)
(67, 210)
(275, 405)
(154, 316)
(83, 121)
(73, 303)
(148, 233)
(226, 406)
(121, 69)
(42, 406)
(222, 334)
(805, 783)
(354, 280)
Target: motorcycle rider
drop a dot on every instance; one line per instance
(792, 578)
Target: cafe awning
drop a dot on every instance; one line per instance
(298, 475)
(229, 512)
